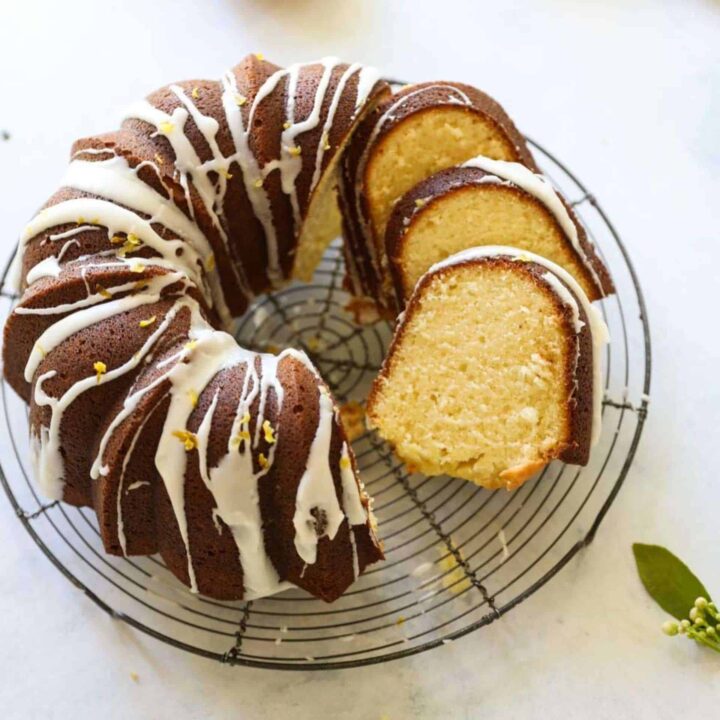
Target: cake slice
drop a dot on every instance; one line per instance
(488, 202)
(413, 134)
(494, 370)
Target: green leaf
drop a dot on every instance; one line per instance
(670, 582)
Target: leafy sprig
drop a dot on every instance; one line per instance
(679, 592)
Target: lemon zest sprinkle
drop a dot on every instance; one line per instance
(100, 369)
(269, 433)
(188, 439)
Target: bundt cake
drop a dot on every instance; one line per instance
(487, 202)
(229, 463)
(408, 137)
(494, 370)
(233, 465)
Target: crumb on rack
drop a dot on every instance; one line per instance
(352, 418)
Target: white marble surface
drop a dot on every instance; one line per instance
(627, 91)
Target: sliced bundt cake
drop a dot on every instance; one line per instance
(488, 202)
(494, 370)
(411, 135)
(231, 464)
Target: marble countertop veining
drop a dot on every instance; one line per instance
(629, 94)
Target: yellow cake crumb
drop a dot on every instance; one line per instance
(195, 93)
(191, 345)
(210, 262)
(258, 183)
(352, 418)
(166, 127)
(260, 56)
(345, 462)
(134, 677)
(262, 460)
(240, 100)
(192, 394)
(158, 159)
(149, 321)
(100, 369)
(137, 267)
(102, 292)
(287, 125)
(295, 150)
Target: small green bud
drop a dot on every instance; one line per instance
(699, 621)
(670, 627)
(710, 631)
(701, 603)
(702, 634)
(685, 624)
(694, 614)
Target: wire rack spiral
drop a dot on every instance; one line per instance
(458, 556)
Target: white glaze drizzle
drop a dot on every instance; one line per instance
(316, 489)
(351, 503)
(541, 189)
(598, 329)
(50, 463)
(233, 482)
(133, 486)
(122, 196)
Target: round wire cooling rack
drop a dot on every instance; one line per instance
(457, 556)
